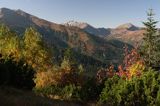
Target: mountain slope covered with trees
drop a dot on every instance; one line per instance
(30, 60)
(61, 36)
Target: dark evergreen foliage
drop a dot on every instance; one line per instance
(16, 74)
(149, 48)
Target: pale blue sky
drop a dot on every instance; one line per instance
(99, 13)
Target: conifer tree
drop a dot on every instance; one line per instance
(149, 47)
(9, 43)
(36, 53)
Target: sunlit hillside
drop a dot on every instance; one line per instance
(56, 53)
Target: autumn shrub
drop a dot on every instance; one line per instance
(45, 78)
(64, 81)
(133, 64)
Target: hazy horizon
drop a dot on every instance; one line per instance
(99, 13)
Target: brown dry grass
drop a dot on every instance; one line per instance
(14, 97)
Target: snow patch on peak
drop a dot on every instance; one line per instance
(76, 24)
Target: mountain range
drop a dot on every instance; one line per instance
(128, 32)
(103, 45)
(89, 28)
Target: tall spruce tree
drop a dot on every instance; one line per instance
(149, 47)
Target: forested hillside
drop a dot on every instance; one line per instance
(60, 37)
(67, 64)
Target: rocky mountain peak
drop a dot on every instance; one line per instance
(4, 9)
(22, 13)
(128, 26)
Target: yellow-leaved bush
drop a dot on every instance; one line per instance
(45, 78)
(136, 69)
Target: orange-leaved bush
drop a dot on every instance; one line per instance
(133, 65)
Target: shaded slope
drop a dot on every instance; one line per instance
(61, 36)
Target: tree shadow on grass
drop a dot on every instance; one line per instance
(14, 97)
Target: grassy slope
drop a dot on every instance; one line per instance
(14, 97)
